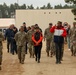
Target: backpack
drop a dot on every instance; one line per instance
(37, 35)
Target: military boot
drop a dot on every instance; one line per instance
(38, 60)
(51, 54)
(35, 59)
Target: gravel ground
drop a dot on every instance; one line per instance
(11, 66)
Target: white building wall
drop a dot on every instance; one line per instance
(6, 22)
(43, 17)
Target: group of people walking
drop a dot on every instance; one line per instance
(30, 38)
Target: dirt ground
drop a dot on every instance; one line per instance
(11, 66)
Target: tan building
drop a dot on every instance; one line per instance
(43, 17)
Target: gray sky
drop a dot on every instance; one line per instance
(34, 2)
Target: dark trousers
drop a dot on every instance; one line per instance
(14, 46)
(9, 45)
(58, 51)
(38, 51)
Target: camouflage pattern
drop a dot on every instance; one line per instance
(1, 39)
(30, 43)
(21, 38)
(72, 40)
(48, 35)
(52, 47)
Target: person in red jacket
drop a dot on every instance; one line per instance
(59, 34)
(37, 39)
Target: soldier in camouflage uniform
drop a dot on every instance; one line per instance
(72, 38)
(52, 47)
(30, 43)
(1, 39)
(21, 38)
(48, 37)
(74, 42)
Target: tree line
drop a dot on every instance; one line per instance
(8, 11)
(73, 2)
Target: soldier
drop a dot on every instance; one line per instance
(21, 38)
(72, 34)
(48, 37)
(30, 42)
(25, 29)
(36, 25)
(52, 47)
(1, 39)
(74, 42)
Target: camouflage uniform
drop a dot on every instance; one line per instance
(72, 38)
(30, 43)
(1, 39)
(73, 41)
(52, 47)
(48, 36)
(21, 38)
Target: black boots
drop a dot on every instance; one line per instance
(38, 60)
(58, 62)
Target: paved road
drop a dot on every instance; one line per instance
(47, 66)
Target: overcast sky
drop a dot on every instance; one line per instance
(34, 2)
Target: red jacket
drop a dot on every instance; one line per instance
(54, 29)
(59, 33)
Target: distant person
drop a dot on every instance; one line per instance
(25, 29)
(65, 24)
(28, 28)
(15, 30)
(30, 42)
(48, 37)
(37, 39)
(68, 36)
(9, 35)
(72, 39)
(36, 25)
(59, 34)
(1, 46)
(21, 39)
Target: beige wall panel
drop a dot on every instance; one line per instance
(43, 17)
